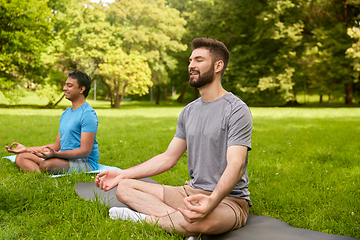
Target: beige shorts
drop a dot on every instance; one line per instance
(173, 196)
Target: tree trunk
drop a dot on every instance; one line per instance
(52, 106)
(90, 75)
(115, 96)
(157, 95)
(329, 98)
(117, 101)
(321, 98)
(348, 93)
(59, 101)
(108, 93)
(165, 95)
(120, 97)
(182, 94)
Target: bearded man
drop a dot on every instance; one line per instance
(215, 130)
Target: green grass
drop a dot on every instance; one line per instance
(304, 169)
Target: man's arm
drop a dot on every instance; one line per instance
(108, 179)
(52, 150)
(22, 149)
(236, 157)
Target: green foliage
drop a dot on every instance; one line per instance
(264, 63)
(279, 48)
(104, 42)
(354, 51)
(13, 93)
(125, 74)
(25, 29)
(154, 30)
(262, 38)
(325, 67)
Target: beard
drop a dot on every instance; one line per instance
(203, 79)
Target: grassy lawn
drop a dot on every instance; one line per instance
(304, 169)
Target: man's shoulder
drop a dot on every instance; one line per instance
(66, 111)
(233, 99)
(196, 101)
(86, 107)
(235, 106)
(192, 104)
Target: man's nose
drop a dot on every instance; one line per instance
(190, 66)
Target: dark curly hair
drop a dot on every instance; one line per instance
(83, 80)
(217, 50)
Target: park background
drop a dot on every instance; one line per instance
(295, 63)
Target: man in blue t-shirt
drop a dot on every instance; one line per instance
(75, 148)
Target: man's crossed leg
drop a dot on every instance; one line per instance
(159, 204)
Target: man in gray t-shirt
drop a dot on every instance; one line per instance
(209, 128)
(216, 132)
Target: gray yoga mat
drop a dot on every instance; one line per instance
(256, 228)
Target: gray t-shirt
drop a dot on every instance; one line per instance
(209, 129)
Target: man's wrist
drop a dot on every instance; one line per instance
(214, 200)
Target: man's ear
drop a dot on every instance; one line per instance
(219, 65)
(82, 89)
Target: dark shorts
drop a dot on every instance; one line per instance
(173, 196)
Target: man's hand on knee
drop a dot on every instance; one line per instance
(199, 206)
(46, 153)
(107, 179)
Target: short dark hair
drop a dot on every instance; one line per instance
(83, 80)
(217, 50)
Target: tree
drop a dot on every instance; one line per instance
(277, 47)
(326, 26)
(354, 51)
(85, 40)
(25, 30)
(125, 74)
(92, 33)
(153, 29)
(262, 37)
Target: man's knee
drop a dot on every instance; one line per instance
(44, 165)
(123, 189)
(19, 160)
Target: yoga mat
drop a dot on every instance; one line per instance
(256, 227)
(267, 228)
(89, 191)
(11, 158)
(100, 167)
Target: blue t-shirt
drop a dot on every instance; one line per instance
(75, 122)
